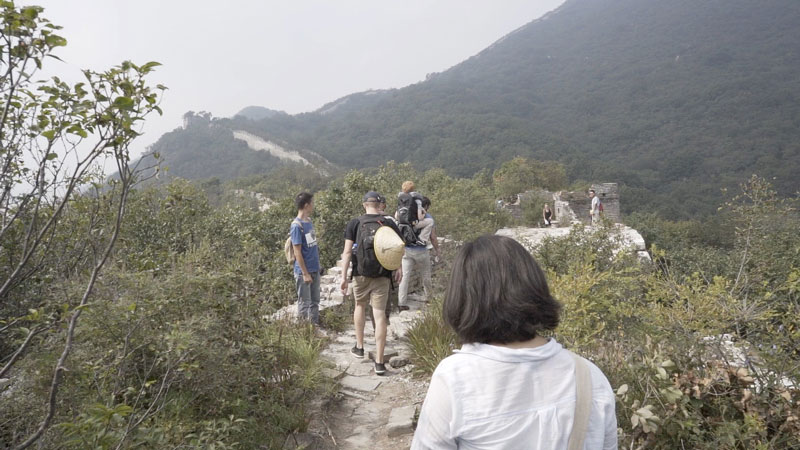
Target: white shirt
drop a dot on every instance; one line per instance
(490, 397)
(595, 205)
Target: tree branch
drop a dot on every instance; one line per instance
(21, 349)
(60, 369)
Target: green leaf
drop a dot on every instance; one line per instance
(147, 67)
(49, 134)
(51, 156)
(123, 103)
(30, 12)
(55, 41)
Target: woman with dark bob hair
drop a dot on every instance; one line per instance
(509, 387)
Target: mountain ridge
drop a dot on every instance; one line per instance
(673, 100)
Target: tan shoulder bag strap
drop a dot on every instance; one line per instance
(583, 404)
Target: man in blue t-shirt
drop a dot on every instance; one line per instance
(306, 253)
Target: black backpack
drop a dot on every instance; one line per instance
(367, 264)
(407, 216)
(407, 212)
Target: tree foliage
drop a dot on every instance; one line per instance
(522, 174)
(55, 239)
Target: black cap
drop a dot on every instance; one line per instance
(372, 196)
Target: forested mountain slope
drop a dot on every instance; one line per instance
(673, 99)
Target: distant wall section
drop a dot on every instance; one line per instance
(569, 206)
(577, 204)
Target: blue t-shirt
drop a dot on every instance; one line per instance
(307, 238)
(421, 247)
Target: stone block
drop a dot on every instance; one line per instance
(327, 279)
(359, 383)
(401, 421)
(398, 329)
(333, 373)
(363, 368)
(337, 298)
(399, 362)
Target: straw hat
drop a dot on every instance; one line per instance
(389, 248)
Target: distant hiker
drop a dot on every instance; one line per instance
(417, 260)
(410, 215)
(509, 386)
(373, 244)
(595, 208)
(547, 214)
(306, 253)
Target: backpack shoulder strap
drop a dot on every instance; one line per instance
(299, 223)
(364, 220)
(583, 404)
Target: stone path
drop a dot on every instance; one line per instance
(368, 411)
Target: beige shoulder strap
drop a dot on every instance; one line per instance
(583, 404)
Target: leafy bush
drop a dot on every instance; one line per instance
(176, 350)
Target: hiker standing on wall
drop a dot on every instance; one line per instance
(547, 214)
(371, 277)
(595, 208)
(306, 253)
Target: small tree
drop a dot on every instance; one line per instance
(53, 138)
(521, 174)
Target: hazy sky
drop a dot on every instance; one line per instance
(291, 55)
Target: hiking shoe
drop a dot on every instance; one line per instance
(357, 352)
(380, 368)
(402, 308)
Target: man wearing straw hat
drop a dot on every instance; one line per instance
(374, 246)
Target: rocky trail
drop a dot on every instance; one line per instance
(368, 411)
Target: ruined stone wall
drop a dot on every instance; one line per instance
(609, 195)
(580, 203)
(570, 207)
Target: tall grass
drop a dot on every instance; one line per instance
(431, 339)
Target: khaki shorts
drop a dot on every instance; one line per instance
(372, 290)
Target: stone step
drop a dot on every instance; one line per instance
(359, 383)
(401, 421)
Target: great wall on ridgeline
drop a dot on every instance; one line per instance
(572, 208)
